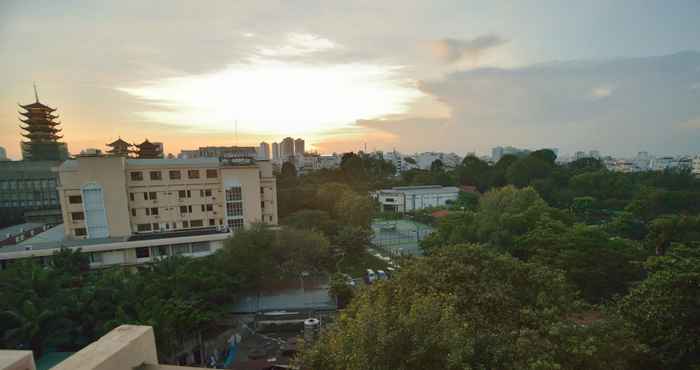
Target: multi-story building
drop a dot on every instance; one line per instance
(275, 151)
(299, 148)
(219, 152)
(499, 151)
(696, 166)
(128, 211)
(3, 154)
(264, 151)
(286, 149)
(28, 192)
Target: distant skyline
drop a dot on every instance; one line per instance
(450, 76)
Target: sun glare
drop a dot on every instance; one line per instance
(268, 96)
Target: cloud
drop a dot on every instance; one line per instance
(450, 50)
(298, 44)
(601, 91)
(619, 106)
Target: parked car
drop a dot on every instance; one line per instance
(381, 275)
(370, 277)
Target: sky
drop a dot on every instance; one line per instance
(451, 76)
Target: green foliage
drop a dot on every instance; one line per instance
(527, 169)
(353, 240)
(598, 265)
(467, 308)
(355, 210)
(341, 290)
(664, 310)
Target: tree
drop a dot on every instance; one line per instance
(465, 307)
(328, 195)
(355, 210)
(341, 290)
(314, 220)
(546, 155)
(526, 169)
(353, 240)
(664, 310)
(473, 171)
(288, 174)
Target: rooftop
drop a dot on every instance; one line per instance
(16, 229)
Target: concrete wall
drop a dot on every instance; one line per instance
(109, 173)
(125, 347)
(16, 360)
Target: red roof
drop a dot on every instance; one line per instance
(469, 189)
(440, 213)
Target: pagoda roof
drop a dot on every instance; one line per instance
(145, 144)
(37, 105)
(119, 142)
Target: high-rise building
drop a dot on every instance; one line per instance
(275, 151)
(264, 151)
(286, 148)
(42, 133)
(3, 154)
(299, 147)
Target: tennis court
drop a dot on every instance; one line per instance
(399, 236)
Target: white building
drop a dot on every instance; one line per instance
(299, 147)
(410, 198)
(696, 166)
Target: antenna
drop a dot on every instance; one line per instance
(36, 94)
(236, 132)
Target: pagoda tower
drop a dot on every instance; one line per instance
(42, 132)
(120, 148)
(148, 149)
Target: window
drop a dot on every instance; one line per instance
(234, 209)
(95, 214)
(192, 174)
(183, 209)
(210, 207)
(145, 196)
(207, 192)
(148, 211)
(202, 207)
(189, 194)
(200, 247)
(136, 176)
(212, 174)
(156, 175)
(196, 223)
(212, 222)
(181, 249)
(156, 227)
(174, 175)
(185, 224)
(81, 231)
(75, 199)
(144, 227)
(233, 194)
(235, 224)
(131, 196)
(152, 195)
(262, 204)
(182, 194)
(262, 190)
(154, 211)
(95, 257)
(133, 212)
(389, 200)
(161, 251)
(143, 252)
(77, 216)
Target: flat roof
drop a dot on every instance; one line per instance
(200, 161)
(16, 229)
(428, 189)
(54, 234)
(29, 249)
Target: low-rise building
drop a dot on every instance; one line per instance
(411, 198)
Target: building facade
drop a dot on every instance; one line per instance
(286, 149)
(403, 199)
(28, 190)
(109, 196)
(299, 147)
(275, 147)
(264, 151)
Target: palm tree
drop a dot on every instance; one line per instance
(31, 326)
